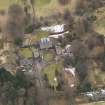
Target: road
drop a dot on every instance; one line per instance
(40, 85)
(38, 73)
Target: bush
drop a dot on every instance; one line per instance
(5, 75)
(81, 68)
(1, 44)
(18, 81)
(68, 17)
(84, 87)
(18, 41)
(21, 81)
(2, 12)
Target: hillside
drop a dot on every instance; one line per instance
(51, 52)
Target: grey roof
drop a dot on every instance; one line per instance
(45, 43)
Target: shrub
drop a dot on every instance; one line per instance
(84, 88)
(18, 41)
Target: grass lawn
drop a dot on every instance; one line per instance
(26, 53)
(48, 56)
(32, 39)
(50, 71)
(38, 36)
(42, 2)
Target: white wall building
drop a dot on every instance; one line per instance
(54, 29)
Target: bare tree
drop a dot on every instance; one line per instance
(14, 27)
(33, 4)
(63, 2)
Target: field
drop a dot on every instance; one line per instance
(48, 56)
(5, 3)
(95, 103)
(50, 71)
(26, 53)
(42, 7)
